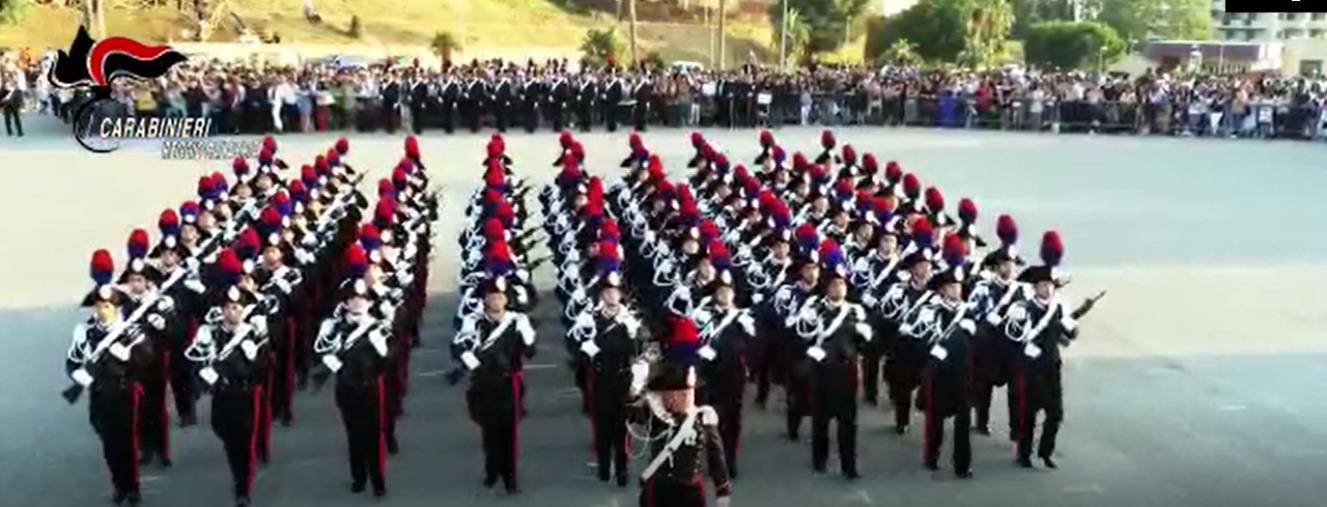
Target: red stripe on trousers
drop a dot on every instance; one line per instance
(649, 493)
(253, 437)
(165, 414)
(136, 395)
(382, 429)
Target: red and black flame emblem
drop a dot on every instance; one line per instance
(96, 63)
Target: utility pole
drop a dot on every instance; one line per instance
(783, 38)
(723, 37)
(635, 59)
(709, 28)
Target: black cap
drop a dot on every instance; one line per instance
(356, 288)
(104, 294)
(232, 294)
(669, 376)
(1036, 274)
(491, 285)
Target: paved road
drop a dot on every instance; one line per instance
(1197, 382)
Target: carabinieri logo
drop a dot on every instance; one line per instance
(96, 65)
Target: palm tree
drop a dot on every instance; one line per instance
(444, 43)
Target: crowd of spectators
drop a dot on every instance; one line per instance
(331, 94)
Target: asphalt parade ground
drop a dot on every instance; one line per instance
(1197, 381)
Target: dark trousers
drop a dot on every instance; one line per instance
(500, 450)
(153, 412)
(610, 438)
(494, 405)
(417, 117)
(183, 386)
(585, 116)
(727, 402)
(363, 413)
(610, 117)
(283, 336)
(841, 408)
(13, 122)
(555, 116)
(235, 420)
(641, 113)
(114, 414)
(946, 397)
(502, 116)
(1038, 390)
(672, 493)
(871, 357)
(904, 379)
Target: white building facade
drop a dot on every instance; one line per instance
(1267, 26)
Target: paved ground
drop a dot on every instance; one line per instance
(1196, 382)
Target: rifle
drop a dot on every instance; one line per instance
(1087, 305)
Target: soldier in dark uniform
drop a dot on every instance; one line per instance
(905, 355)
(186, 298)
(491, 345)
(684, 440)
(113, 371)
(452, 102)
(474, 102)
(279, 283)
(392, 95)
(1040, 326)
(727, 332)
(354, 346)
(532, 93)
(610, 351)
(586, 97)
(613, 93)
(138, 286)
(559, 96)
(837, 331)
(232, 359)
(991, 351)
(643, 94)
(503, 98)
(946, 327)
(420, 99)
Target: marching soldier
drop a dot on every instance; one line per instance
(613, 94)
(490, 346)
(611, 349)
(991, 351)
(233, 360)
(171, 254)
(727, 333)
(504, 94)
(945, 325)
(559, 96)
(452, 101)
(139, 287)
(473, 102)
(278, 282)
(643, 95)
(1040, 326)
(532, 91)
(905, 354)
(837, 331)
(110, 358)
(586, 97)
(354, 346)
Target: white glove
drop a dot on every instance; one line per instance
(707, 353)
(968, 325)
(379, 342)
(208, 375)
(1018, 314)
(156, 321)
(864, 330)
(250, 349)
(259, 324)
(817, 353)
(869, 300)
(82, 377)
(926, 316)
(939, 352)
(165, 303)
(191, 263)
(194, 285)
(590, 348)
(333, 363)
(469, 359)
(723, 501)
(120, 351)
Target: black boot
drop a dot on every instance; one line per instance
(242, 501)
(134, 498)
(489, 481)
(1050, 463)
(1025, 462)
(964, 474)
(392, 447)
(622, 480)
(119, 498)
(357, 487)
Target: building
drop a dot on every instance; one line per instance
(1267, 26)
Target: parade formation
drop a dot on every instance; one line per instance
(826, 281)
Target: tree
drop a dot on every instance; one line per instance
(984, 34)
(1160, 19)
(601, 47)
(11, 11)
(902, 53)
(826, 20)
(799, 36)
(972, 31)
(1031, 12)
(443, 44)
(1067, 45)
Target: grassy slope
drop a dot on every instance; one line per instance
(481, 24)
